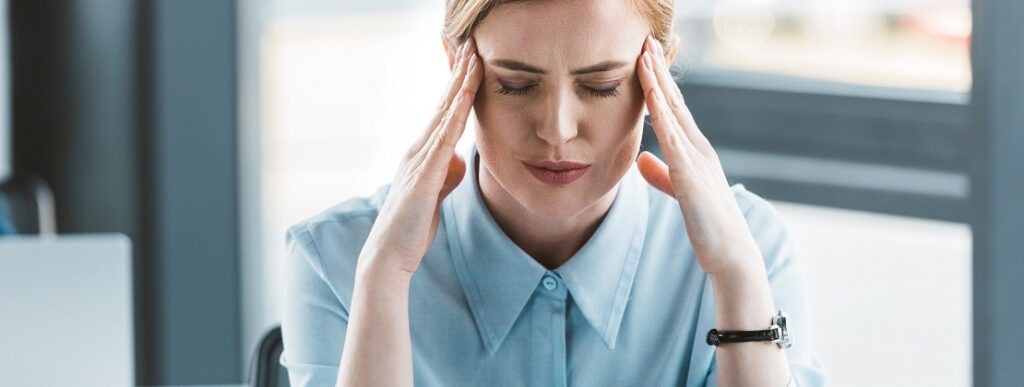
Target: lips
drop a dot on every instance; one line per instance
(556, 172)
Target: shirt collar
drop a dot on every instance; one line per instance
(499, 278)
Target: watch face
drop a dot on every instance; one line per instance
(783, 323)
(712, 338)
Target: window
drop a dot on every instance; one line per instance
(919, 44)
(857, 111)
(342, 91)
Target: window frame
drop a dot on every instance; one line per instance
(915, 135)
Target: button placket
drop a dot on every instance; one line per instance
(552, 335)
(549, 282)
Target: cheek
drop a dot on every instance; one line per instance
(496, 137)
(495, 123)
(626, 149)
(624, 125)
(621, 121)
(622, 111)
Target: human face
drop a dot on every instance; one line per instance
(560, 84)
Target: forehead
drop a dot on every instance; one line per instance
(556, 34)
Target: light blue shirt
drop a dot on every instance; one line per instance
(631, 308)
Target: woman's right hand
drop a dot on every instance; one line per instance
(431, 169)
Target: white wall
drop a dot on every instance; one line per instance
(890, 296)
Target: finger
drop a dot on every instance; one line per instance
(674, 96)
(655, 172)
(454, 123)
(674, 144)
(458, 74)
(670, 90)
(462, 58)
(442, 144)
(662, 70)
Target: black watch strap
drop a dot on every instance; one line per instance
(777, 332)
(716, 337)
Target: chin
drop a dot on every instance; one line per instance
(551, 208)
(555, 203)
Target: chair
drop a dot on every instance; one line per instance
(267, 371)
(29, 204)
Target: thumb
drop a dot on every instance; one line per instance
(456, 171)
(655, 172)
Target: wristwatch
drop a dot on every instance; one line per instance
(777, 333)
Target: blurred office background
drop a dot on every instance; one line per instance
(204, 128)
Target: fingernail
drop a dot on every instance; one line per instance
(647, 60)
(472, 46)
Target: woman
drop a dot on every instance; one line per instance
(552, 260)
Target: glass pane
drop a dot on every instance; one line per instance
(890, 295)
(920, 44)
(343, 95)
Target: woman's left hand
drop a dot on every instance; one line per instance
(693, 174)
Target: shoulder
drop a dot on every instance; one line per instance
(352, 215)
(758, 212)
(752, 204)
(329, 242)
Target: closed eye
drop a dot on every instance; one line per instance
(519, 91)
(604, 93)
(514, 91)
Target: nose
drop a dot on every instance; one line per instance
(559, 122)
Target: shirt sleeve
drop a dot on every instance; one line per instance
(789, 289)
(314, 321)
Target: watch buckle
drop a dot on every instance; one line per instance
(776, 333)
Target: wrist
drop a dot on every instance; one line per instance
(375, 272)
(738, 258)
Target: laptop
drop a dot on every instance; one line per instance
(66, 311)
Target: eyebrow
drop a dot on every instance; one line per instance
(520, 66)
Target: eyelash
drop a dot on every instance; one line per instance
(607, 93)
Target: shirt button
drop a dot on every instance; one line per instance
(549, 283)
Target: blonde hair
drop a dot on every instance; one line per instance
(460, 16)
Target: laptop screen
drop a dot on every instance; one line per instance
(66, 311)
